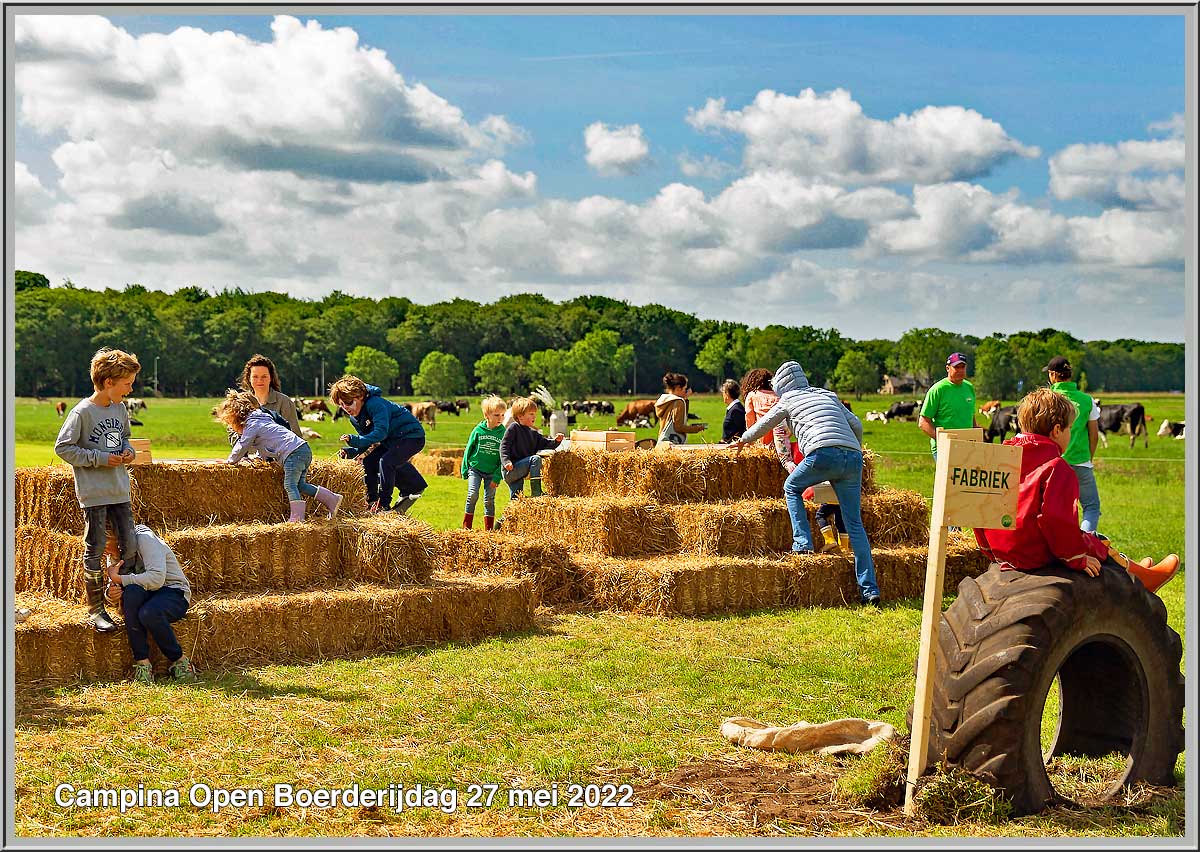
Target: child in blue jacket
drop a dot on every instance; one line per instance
(388, 437)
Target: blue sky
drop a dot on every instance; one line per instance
(1092, 96)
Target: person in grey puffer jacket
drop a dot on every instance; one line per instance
(830, 437)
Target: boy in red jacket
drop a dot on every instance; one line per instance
(1047, 528)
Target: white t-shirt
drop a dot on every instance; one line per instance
(1095, 415)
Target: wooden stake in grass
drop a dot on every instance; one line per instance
(975, 486)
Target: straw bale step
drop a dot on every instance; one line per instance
(700, 475)
(437, 465)
(696, 586)
(631, 526)
(187, 494)
(448, 452)
(253, 557)
(57, 644)
(483, 553)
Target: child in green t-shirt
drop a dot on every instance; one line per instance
(481, 462)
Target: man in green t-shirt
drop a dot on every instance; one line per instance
(950, 403)
(1085, 434)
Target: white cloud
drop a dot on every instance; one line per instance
(706, 166)
(1173, 126)
(33, 200)
(615, 150)
(1136, 174)
(828, 137)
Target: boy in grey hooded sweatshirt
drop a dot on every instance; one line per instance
(830, 437)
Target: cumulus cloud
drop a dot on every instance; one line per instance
(615, 150)
(828, 136)
(32, 198)
(1135, 174)
(706, 166)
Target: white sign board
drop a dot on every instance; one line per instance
(976, 485)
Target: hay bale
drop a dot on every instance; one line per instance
(387, 548)
(49, 562)
(258, 557)
(185, 494)
(702, 474)
(607, 526)
(431, 465)
(892, 517)
(449, 452)
(58, 644)
(491, 554)
(741, 528)
(681, 585)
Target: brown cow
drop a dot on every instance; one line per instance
(426, 412)
(989, 406)
(637, 408)
(60, 408)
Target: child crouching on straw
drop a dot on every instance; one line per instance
(258, 429)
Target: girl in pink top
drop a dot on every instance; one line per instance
(758, 399)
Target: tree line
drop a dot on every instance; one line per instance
(194, 343)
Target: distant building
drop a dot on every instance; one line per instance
(898, 385)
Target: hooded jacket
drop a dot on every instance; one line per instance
(381, 420)
(262, 433)
(1047, 527)
(814, 415)
(671, 411)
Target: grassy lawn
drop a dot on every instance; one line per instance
(585, 697)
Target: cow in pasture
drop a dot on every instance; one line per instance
(132, 405)
(989, 406)
(848, 408)
(60, 408)
(876, 415)
(896, 410)
(426, 412)
(1003, 419)
(313, 416)
(605, 407)
(637, 408)
(447, 407)
(1171, 429)
(309, 434)
(463, 404)
(641, 423)
(307, 406)
(1113, 418)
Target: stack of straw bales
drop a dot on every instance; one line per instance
(482, 553)
(437, 465)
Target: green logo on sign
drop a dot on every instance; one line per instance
(1006, 521)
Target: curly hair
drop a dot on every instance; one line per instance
(236, 407)
(346, 389)
(112, 364)
(1043, 409)
(756, 380)
(259, 361)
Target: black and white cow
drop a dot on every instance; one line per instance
(1003, 420)
(1171, 429)
(1113, 418)
(900, 409)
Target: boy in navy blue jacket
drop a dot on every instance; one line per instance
(389, 436)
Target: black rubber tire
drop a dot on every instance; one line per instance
(1005, 639)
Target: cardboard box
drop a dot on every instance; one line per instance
(610, 440)
(141, 446)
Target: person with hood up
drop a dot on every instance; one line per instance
(388, 437)
(830, 437)
(671, 408)
(257, 429)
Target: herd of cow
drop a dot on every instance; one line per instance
(1002, 419)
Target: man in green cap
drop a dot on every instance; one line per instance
(1082, 448)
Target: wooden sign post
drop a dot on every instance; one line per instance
(975, 486)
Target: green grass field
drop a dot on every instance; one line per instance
(586, 697)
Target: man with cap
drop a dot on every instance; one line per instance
(950, 403)
(1082, 448)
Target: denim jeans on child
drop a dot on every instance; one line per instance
(531, 467)
(152, 613)
(1089, 497)
(95, 534)
(476, 481)
(295, 466)
(842, 466)
(388, 467)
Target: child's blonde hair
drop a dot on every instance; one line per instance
(493, 405)
(522, 405)
(347, 388)
(112, 364)
(1043, 409)
(236, 408)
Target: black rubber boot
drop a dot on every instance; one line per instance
(97, 614)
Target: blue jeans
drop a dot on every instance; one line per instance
(531, 467)
(389, 467)
(295, 466)
(475, 481)
(1089, 497)
(153, 613)
(842, 466)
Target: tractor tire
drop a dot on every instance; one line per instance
(1001, 645)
